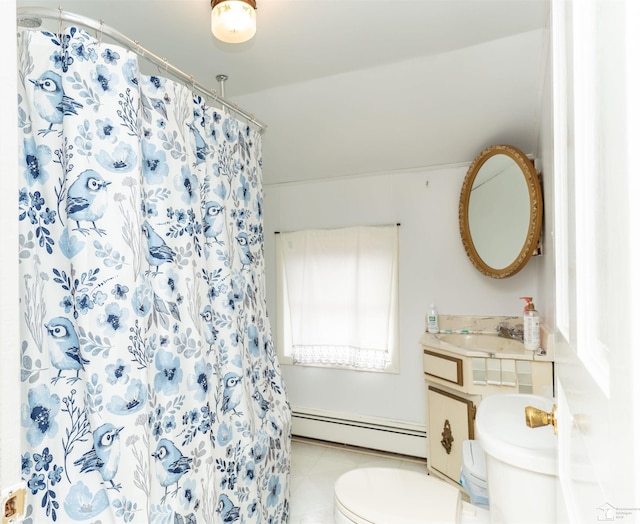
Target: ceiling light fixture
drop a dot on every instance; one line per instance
(233, 21)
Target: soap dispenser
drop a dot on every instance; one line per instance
(432, 320)
(531, 325)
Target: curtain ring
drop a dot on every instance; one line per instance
(166, 66)
(60, 23)
(101, 31)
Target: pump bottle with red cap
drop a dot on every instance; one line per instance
(531, 326)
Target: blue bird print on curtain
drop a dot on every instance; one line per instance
(157, 251)
(201, 146)
(104, 457)
(151, 392)
(232, 394)
(213, 221)
(171, 464)
(50, 101)
(64, 348)
(87, 199)
(227, 510)
(246, 257)
(211, 333)
(263, 405)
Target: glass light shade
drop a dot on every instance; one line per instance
(233, 21)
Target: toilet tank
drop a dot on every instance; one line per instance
(521, 461)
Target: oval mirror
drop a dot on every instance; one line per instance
(500, 211)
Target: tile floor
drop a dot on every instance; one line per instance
(315, 466)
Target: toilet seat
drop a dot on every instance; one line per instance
(390, 496)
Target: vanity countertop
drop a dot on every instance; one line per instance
(485, 326)
(434, 341)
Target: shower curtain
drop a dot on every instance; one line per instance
(151, 390)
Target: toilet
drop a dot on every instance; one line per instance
(515, 456)
(399, 496)
(518, 456)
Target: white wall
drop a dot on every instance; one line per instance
(9, 339)
(433, 268)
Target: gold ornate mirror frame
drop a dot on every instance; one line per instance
(531, 242)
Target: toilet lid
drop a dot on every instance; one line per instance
(390, 496)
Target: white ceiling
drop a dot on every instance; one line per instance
(351, 87)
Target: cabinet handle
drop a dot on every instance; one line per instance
(447, 437)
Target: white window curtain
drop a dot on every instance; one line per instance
(339, 294)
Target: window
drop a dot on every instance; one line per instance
(338, 297)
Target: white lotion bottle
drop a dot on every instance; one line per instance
(531, 326)
(432, 320)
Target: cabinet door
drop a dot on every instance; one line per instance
(450, 423)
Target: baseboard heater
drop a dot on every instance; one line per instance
(367, 432)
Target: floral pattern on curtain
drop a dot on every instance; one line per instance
(151, 390)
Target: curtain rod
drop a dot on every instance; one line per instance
(397, 224)
(28, 16)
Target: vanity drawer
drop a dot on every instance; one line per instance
(443, 367)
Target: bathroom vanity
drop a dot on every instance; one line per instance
(464, 363)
